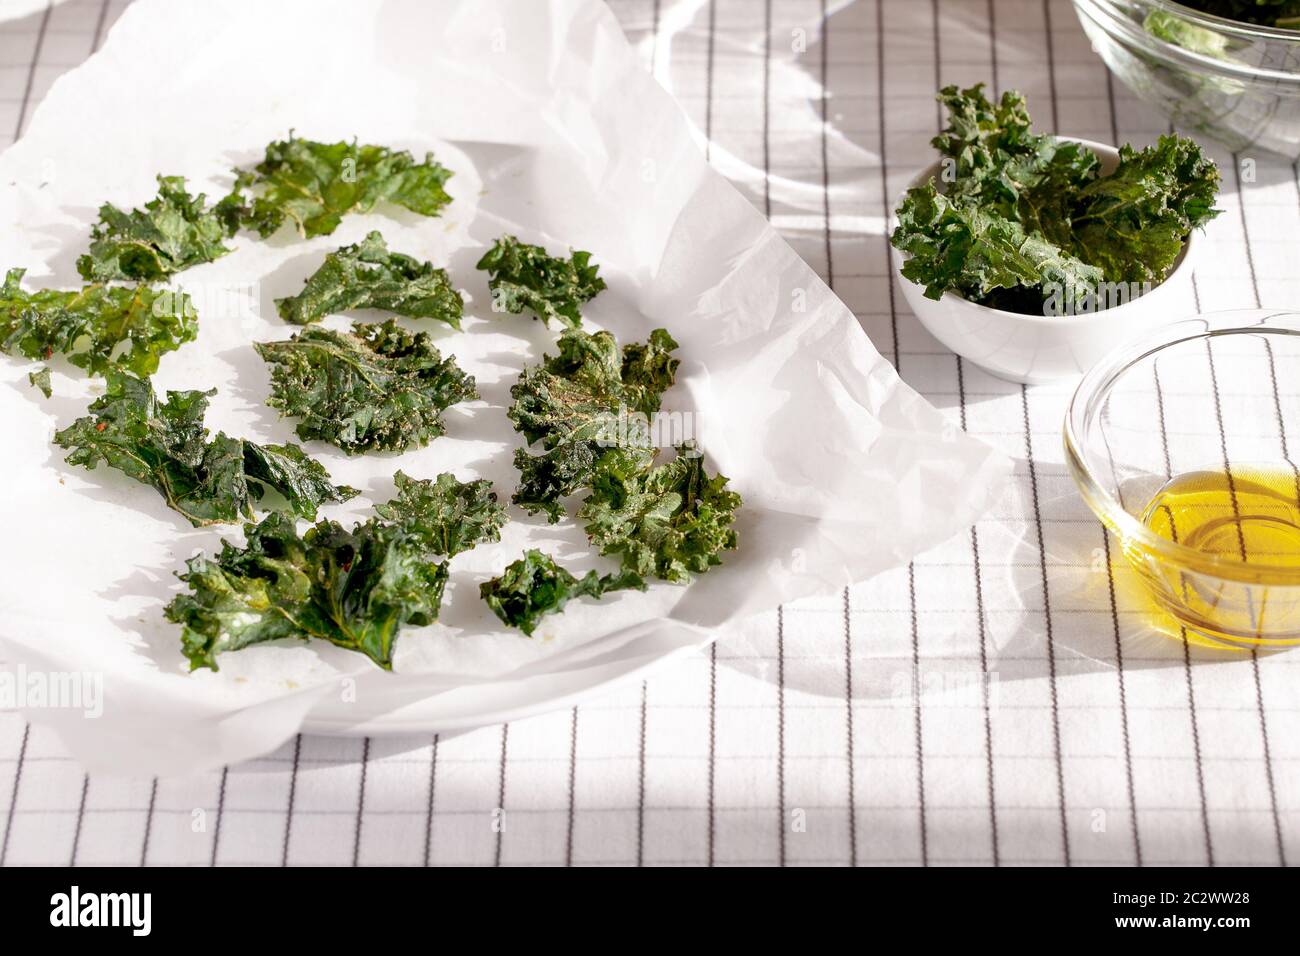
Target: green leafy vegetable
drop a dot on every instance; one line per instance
(379, 387)
(671, 521)
(447, 516)
(40, 379)
(367, 276)
(97, 328)
(164, 444)
(535, 586)
(525, 277)
(1273, 13)
(316, 184)
(589, 398)
(355, 589)
(171, 233)
(1023, 219)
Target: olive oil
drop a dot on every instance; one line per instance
(1247, 520)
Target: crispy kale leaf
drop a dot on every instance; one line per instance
(379, 387)
(315, 184)
(98, 328)
(447, 516)
(355, 589)
(1021, 219)
(367, 276)
(164, 444)
(589, 398)
(40, 379)
(1133, 222)
(171, 233)
(959, 246)
(525, 277)
(534, 586)
(671, 521)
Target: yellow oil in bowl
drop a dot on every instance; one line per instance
(1243, 586)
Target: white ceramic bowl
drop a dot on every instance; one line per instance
(1044, 348)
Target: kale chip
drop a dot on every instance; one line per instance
(355, 589)
(1023, 221)
(171, 233)
(40, 379)
(98, 328)
(589, 398)
(447, 516)
(367, 276)
(165, 444)
(525, 277)
(534, 586)
(671, 521)
(379, 387)
(315, 184)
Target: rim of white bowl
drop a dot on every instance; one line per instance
(1103, 151)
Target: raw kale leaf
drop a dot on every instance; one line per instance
(447, 516)
(534, 586)
(671, 521)
(1022, 220)
(315, 184)
(525, 277)
(171, 233)
(589, 398)
(164, 444)
(355, 589)
(97, 328)
(367, 276)
(379, 387)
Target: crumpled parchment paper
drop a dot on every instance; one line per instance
(555, 133)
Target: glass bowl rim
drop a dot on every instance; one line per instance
(1112, 11)
(1087, 400)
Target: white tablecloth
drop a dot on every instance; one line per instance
(852, 729)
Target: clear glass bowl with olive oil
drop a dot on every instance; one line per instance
(1187, 445)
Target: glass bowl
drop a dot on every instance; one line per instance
(1234, 82)
(1185, 443)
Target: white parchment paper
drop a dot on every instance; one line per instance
(553, 132)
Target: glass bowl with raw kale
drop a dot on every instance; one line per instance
(1034, 255)
(1227, 69)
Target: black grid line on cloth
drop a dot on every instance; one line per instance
(432, 801)
(1038, 514)
(1111, 595)
(1254, 652)
(977, 578)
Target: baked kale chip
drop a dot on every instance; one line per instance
(671, 521)
(164, 444)
(367, 276)
(355, 589)
(97, 328)
(376, 388)
(534, 586)
(1022, 221)
(591, 397)
(447, 516)
(171, 233)
(525, 277)
(315, 185)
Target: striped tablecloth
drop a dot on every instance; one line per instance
(1001, 700)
